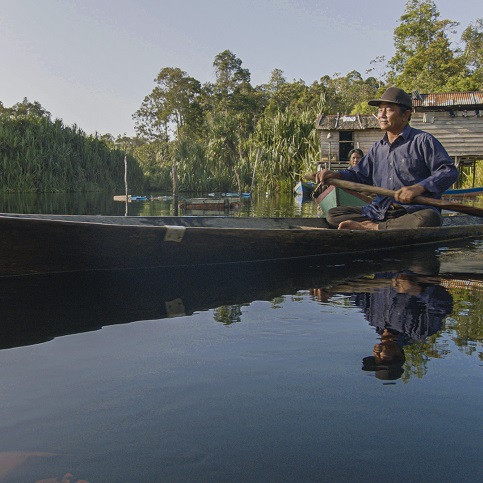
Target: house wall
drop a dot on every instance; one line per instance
(363, 139)
(462, 135)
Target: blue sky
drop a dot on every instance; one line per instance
(91, 62)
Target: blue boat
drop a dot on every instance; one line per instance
(304, 188)
(464, 192)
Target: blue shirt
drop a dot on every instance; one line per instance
(415, 157)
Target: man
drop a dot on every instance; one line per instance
(407, 160)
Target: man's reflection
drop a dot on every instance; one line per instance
(404, 307)
(411, 308)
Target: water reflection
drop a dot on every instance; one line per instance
(408, 310)
(160, 204)
(402, 297)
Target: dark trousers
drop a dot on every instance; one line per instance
(396, 218)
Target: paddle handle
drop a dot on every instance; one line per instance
(380, 191)
(422, 200)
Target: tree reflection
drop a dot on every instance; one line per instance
(228, 314)
(465, 323)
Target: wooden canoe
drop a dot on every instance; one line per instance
(334, 196)
(60, 243)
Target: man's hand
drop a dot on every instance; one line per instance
(321, 176)
(406, 194)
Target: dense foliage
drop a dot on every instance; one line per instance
(229, 135)
(38, 154)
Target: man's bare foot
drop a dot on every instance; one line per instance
(358, 225)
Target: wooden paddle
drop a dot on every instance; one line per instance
(420, 200)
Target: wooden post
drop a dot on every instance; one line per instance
(175, 190)
(125, 183)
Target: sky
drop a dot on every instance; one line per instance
(92, 62)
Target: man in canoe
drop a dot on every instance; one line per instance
(409, 161)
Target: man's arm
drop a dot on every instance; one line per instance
(443, 170)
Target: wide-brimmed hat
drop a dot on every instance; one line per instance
(394, 95)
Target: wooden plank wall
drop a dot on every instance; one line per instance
(461, 135)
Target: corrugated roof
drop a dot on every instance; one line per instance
(356, 122)
(448, 99)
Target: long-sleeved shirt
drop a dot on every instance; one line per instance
(415, 157)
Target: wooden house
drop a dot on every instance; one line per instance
(454, 118)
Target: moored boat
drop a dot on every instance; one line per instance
(465, 192)
(131, 198)
(304, 188)
(61, 243)
(210, 204)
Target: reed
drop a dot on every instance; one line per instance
(38, 155)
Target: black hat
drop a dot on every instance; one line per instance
(394, 95)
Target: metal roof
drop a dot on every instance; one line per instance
(341, 122)
(448, 99)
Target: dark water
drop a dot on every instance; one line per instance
(338, 369)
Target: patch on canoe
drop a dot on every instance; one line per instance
(174, 233)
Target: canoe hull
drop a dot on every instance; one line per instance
(43, 244)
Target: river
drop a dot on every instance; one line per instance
(335, 369)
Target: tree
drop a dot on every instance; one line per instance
(172, 105)
(26, 109)
(343, 93)
(230, 75)
(473, 52)
(423, 60)
(379, 67)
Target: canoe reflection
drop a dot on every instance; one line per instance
(38, 308)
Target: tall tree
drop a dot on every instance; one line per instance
(172, 105)
(473, 52)
(25, 109)
(423, 60)
(230, 76)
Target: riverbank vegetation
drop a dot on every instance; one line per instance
(229, 135)
(41, 155)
